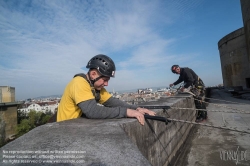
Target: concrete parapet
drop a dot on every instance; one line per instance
(245, 7)
(159, 142)
(234, 59)
(234, 51)
(231, 36)
(106, 142)
(2, 131)
(8, 113)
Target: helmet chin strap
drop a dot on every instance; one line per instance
(94, 80)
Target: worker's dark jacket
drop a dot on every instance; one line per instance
(188, 76)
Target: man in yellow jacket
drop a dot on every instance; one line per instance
(83, 93)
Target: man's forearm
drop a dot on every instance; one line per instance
(114, 102)
(94, 111)
(178, 81)
(188, 84)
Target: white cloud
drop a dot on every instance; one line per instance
(44, 43)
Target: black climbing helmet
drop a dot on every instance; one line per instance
(103, 64)
(173, 68)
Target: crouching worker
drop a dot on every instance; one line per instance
(83, 93)
(193, 83)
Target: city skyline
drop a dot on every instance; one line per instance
(45, 43)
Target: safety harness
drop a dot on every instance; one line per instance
(95, 92)
(198, 88)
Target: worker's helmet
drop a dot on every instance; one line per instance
(173, 68)
(103, 64)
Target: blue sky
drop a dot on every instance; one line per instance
(43, 43)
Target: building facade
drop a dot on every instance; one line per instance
(234, 50)
(8, 122)
(245, 7)
(7, 94)
(44, 107)
(8, 113)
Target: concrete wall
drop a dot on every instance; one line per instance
(112, 141)
(8, 115)
(7, 94)
(1, 95)
(234, 59)
(2, 132)
(245, 8)
(234, 51)
(159, 142)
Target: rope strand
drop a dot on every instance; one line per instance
(241, 112)
(207, 125)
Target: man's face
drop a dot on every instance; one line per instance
(101, 83)
(177, 70)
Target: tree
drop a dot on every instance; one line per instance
(21, 115)
(34, 118)
(30, 121)
(23, 127)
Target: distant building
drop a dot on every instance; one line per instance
(145, 91)
(234, 51)
(49, 106)
(8, 112)
(7, 94)
(163, 89)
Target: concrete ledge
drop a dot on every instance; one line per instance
(158, 142)
(231, 36)
(106, 142)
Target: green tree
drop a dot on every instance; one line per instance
(21, 115)
(23, 127)
(32, 120)
(48, 112)
(45, 118)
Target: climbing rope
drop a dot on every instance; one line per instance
(167, 120)
(227, 101)
(213, 126)
(241, 112)
(219, 105)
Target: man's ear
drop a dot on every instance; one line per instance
(94, 74)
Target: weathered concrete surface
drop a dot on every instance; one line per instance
(234, 51)
(157, 142)
(106, 142)
(210, 146)
(234, 59)
(2, 132)
(8, 113)
(100, 142)
(245, 8)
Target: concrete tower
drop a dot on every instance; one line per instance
(234, 51)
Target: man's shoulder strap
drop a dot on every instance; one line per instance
(81, 75)
(95, 92)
